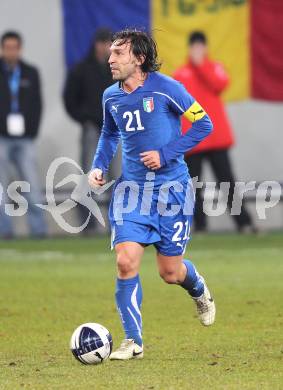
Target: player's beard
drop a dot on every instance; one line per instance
(118, 78)
(117, 75)
(123, 76)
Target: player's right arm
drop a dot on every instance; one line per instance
(106, 148)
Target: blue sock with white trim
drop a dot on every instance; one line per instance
(192, 283)
(128, 299)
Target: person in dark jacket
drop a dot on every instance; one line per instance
(20, 112)
(83, 92)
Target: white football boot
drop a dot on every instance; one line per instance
(128, 350)
(205, 307)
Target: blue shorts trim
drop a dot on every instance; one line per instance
(135, 232)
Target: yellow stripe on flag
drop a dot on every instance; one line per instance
(226, 24)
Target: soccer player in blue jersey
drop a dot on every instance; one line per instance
(143, 109)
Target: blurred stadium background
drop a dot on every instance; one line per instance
(244, 35)
(48, 287)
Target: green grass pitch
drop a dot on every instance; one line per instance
(48, 288)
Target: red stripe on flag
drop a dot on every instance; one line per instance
(267, 49)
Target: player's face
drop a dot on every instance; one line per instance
(123, 63)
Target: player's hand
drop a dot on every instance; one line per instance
(151, 159)
(95, 178)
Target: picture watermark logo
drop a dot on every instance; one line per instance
(167, 199)
(81, 194)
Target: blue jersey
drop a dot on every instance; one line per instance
(149, 119)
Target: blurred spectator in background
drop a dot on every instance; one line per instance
(83, 92)
(206, 80)
(20, 112)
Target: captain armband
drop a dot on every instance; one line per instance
(195, 112)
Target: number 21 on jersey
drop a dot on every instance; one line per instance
(131, 122)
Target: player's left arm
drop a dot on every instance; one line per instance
(201, 128)
(182, 103)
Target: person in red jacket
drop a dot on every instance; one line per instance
(206, 80)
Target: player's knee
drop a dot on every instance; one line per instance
(124, 263)
(169, 277)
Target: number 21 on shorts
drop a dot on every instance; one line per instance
(183, 231)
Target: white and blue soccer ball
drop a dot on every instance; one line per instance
(91, 343)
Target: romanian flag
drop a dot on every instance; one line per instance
(244, 35)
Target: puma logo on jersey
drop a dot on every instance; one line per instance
(195, 112)
(115, 108)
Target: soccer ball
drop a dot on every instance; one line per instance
(91, 343)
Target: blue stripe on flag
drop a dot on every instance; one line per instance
(82, 17)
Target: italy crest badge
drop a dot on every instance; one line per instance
(148, 104)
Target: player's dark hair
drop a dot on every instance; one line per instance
(143, 45)
(197, 37)
(11, 35)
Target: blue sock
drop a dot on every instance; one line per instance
(192, 283)
(128, 300)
